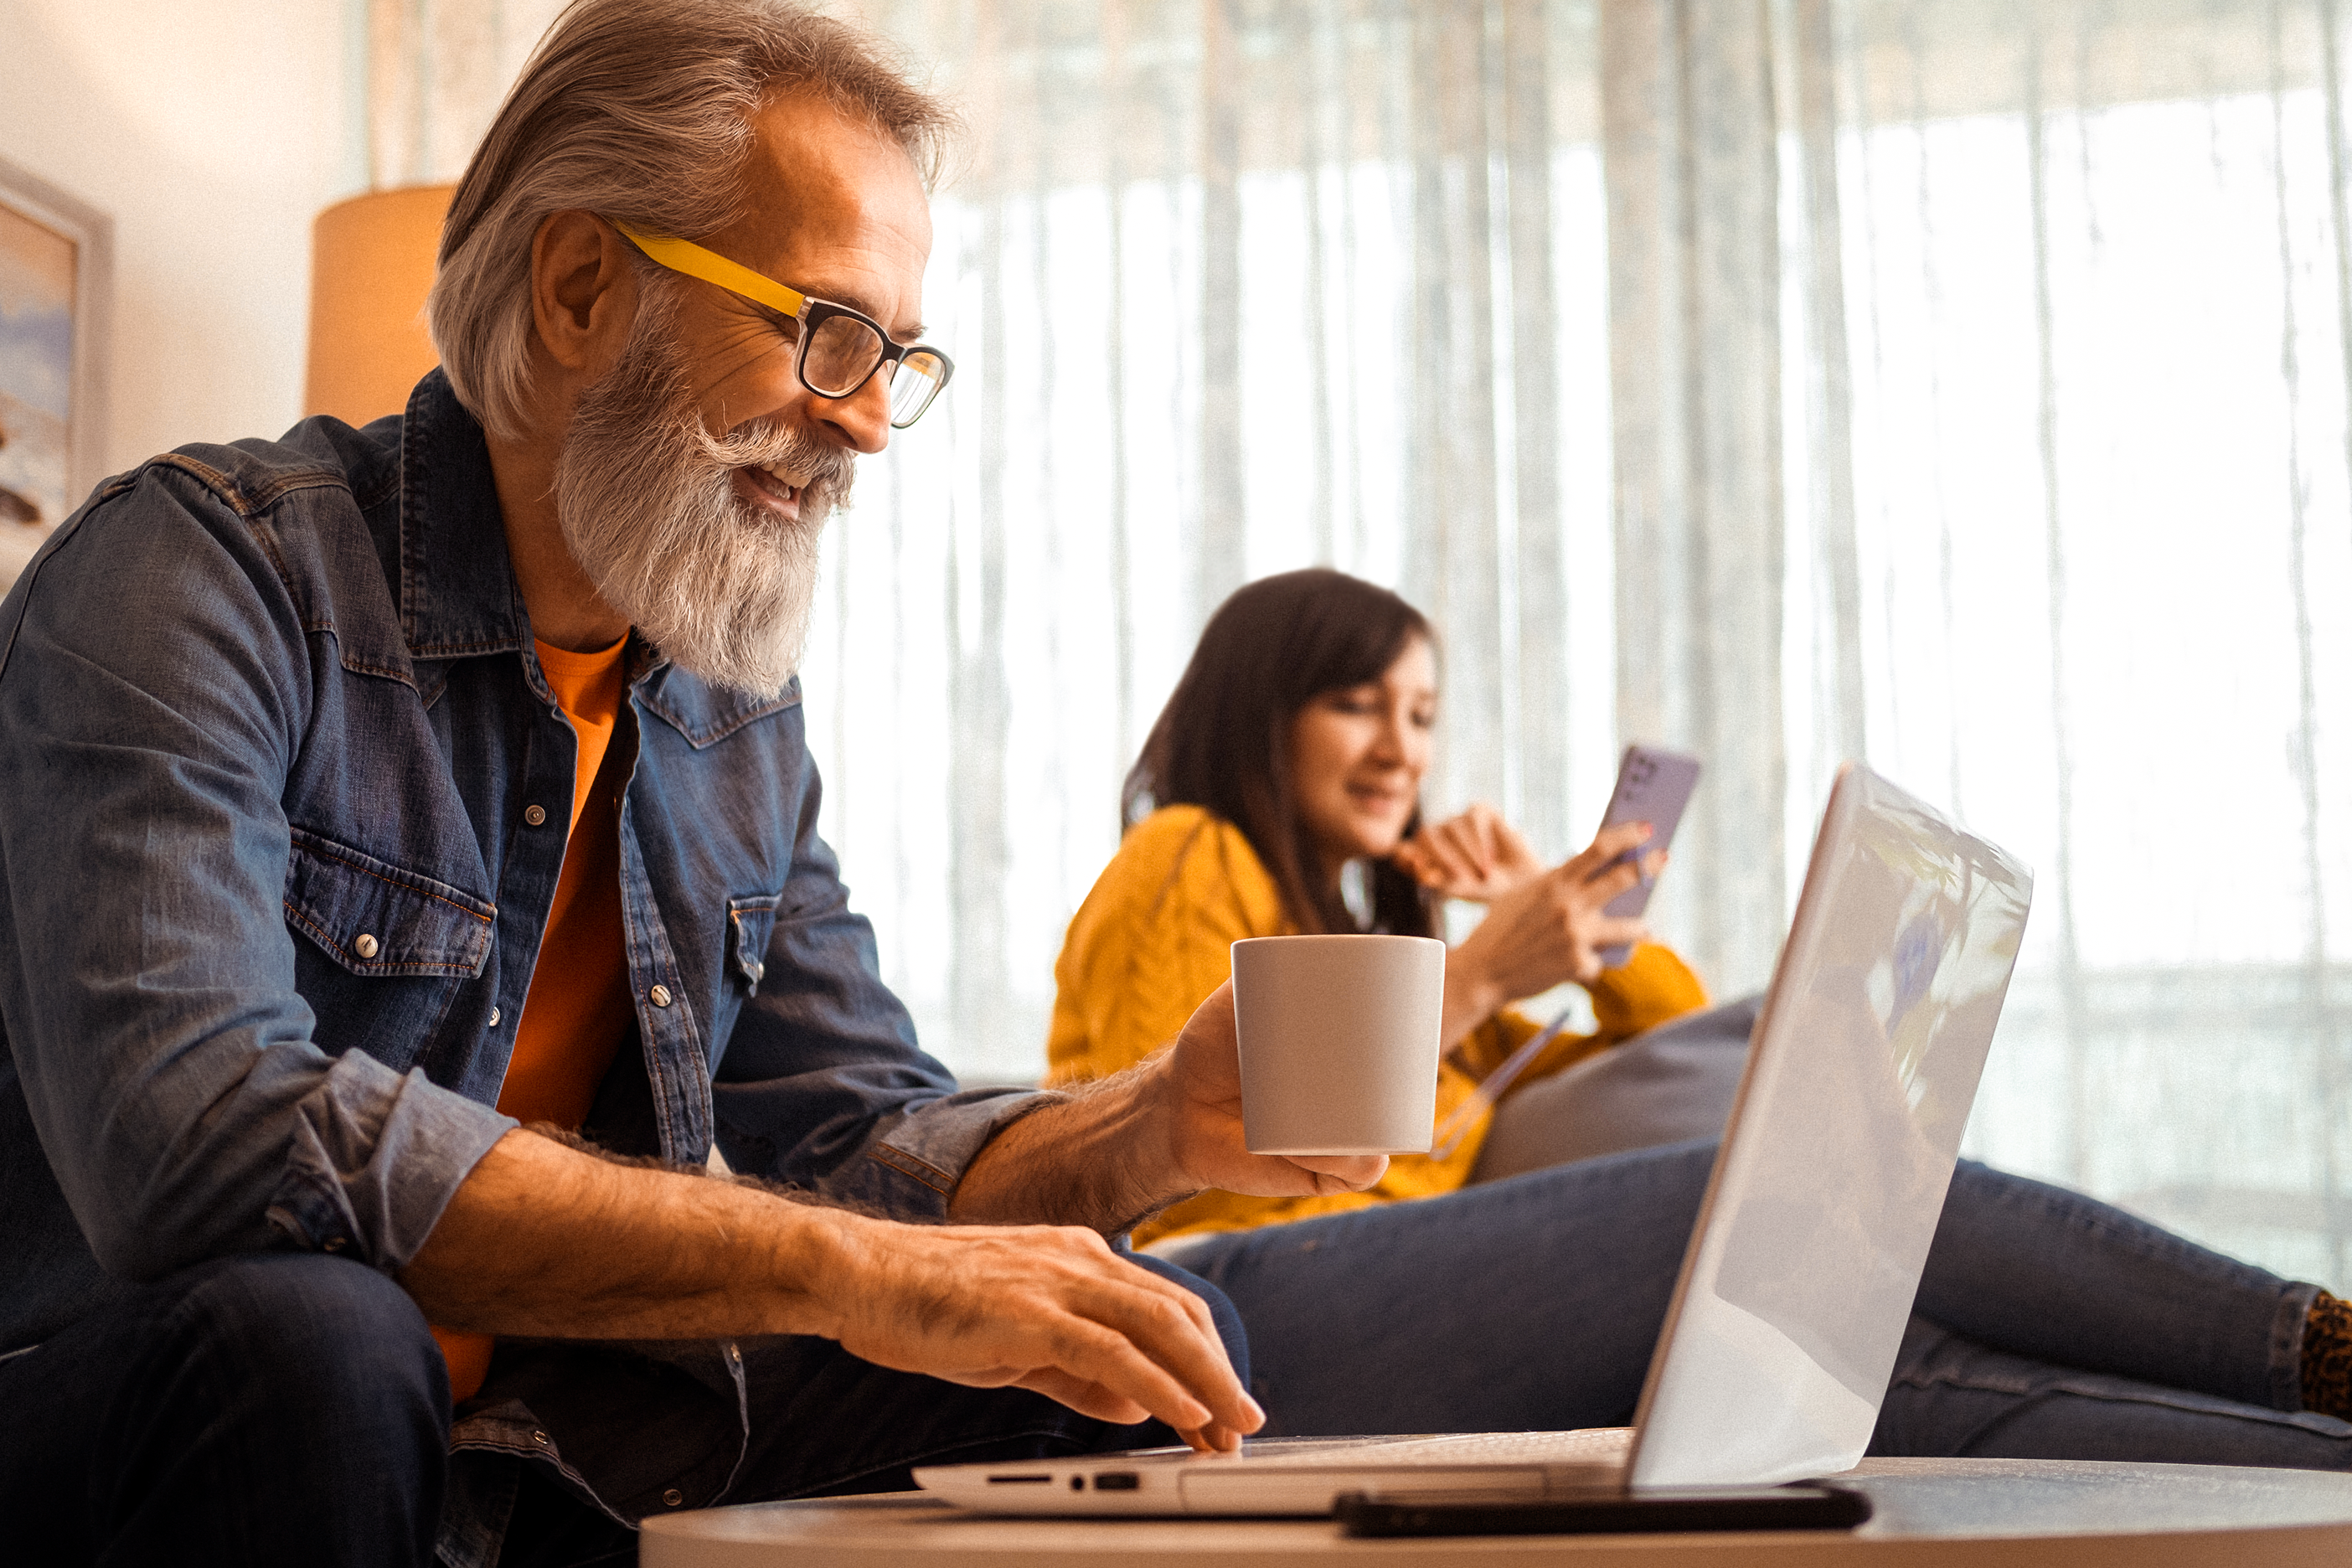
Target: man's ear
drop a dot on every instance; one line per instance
(583, 292)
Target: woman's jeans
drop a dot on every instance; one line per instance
(2047, 1325)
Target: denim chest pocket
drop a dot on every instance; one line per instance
(749, 923)
(374, 918)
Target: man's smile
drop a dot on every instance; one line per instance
(771, 487)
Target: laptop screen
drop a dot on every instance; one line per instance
(1803, 1267)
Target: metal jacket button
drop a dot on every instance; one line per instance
(658, 996)
(535, 815)
(365, 946)
(494, 1016)
(673, 1497)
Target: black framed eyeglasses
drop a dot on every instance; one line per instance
(840, 348)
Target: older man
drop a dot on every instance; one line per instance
(371, 792)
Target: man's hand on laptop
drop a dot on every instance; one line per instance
(545, 1240)
(1048, 1308)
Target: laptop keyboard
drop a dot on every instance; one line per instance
(1592, 1444)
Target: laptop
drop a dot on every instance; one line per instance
(1798, 1282)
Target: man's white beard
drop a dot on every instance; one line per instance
(648, 503)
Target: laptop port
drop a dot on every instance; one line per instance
(1018, 1480)
(1117, 1482)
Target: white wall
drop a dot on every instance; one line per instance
(212, 131)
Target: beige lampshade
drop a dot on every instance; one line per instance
(371, 264)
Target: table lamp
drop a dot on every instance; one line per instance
(371, 264)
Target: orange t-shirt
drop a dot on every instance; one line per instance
(579, 1007)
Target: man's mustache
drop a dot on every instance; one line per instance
(760, 442)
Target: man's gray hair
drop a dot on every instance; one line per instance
(639, 110)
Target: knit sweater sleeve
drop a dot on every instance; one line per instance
(1652, 987)
(1154, 939)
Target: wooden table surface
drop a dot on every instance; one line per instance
(1930, 1514)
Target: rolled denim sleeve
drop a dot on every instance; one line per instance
(370, 1159)
(919, 1153)
(877, 1132)
(155, 682)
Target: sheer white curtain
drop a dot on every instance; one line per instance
(2042, 312)
(1957, 383)
(1232, 288)
(2095, 290)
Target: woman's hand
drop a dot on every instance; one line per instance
(1475, 855)
(1547, 930)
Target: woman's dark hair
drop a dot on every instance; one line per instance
(1224, 741)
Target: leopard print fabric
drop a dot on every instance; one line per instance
(2327, 1357)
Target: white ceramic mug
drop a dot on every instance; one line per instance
(1339, 1042)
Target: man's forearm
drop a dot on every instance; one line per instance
(1101, 1158)
(541, 1239)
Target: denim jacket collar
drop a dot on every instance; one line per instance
(458, 590)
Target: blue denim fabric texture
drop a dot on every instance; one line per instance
(286, 797)
(199, 1420)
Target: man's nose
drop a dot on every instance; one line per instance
(862, 418)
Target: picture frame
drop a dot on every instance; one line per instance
(56, 295)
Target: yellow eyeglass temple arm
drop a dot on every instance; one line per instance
(685, 256)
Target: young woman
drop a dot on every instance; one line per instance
(1282, 777)
(1292, 752)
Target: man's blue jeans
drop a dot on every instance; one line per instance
(200, 1419)
(2047, 1325)
(292, 1408)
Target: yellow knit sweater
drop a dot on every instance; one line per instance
(1154, 937)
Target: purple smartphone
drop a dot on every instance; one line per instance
(1652, 786)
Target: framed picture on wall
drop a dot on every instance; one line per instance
(56, 277)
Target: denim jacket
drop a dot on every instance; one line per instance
(282, 804)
